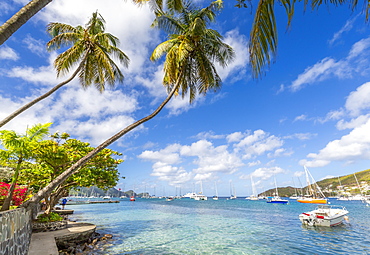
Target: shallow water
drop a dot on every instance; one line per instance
(185, 226)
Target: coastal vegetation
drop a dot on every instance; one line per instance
(17, 150)
(45, 159)
(192, 49)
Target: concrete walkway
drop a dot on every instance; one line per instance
(44, 243)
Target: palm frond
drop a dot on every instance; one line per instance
(263, 37)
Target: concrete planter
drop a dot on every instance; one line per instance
(48, 226)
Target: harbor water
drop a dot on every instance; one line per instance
(186, 226)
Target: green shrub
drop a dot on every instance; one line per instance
(49, 217)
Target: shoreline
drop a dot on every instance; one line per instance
(95, 243)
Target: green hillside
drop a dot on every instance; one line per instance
(329, 186)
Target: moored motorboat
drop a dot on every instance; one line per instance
(324, 215)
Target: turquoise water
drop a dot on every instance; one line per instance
(154, 226)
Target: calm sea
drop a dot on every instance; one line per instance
(185, 226)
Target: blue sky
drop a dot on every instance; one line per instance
(311, 107)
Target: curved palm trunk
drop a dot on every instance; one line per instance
(21, 17)
(26, 106)
(31, 203)
(8, 199)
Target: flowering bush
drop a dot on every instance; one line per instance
(19, 193)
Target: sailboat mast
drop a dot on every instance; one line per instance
(276, 189)
(358, 184)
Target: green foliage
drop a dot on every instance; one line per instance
(17, 150)
(54, 156)
(191, 50)
(49, 217)
(92, 47)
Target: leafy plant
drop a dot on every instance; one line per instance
(49, 217)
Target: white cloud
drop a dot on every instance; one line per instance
(298, 173)
(44, 75)
(359, 100)
(254, 163)
(301, 136)
(359, 48)
(317, 72)
(238, 67)
(169, 155)
(36, 46)
(356, 62)
(206, 160)
(300, 117)
(347, 27)
(209, 135)
(8, 53)
(265, 173)
(355, 145)
(257, 144)
(235, 137)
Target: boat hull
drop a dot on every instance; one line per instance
(324, 217)
(312, 201)
(277, 201)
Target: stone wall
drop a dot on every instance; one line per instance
(15, 231)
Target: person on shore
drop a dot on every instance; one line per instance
(64, 202)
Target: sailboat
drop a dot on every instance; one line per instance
(276, 199)
(200, 195)
(232, 191)
(295, 196)
(314, 193)
(254, 192)
(215, 197)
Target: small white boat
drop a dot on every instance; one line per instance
(199, 197)
(324, 215)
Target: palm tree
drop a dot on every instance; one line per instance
(264, 37)
(19, 148)
(92, 48)
(20, 18)
(188, 68)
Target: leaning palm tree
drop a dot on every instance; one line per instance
(20, 18)
(191, 51)
(91, 48)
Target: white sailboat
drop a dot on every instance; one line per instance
(215, 197)
(254, 191)
(276, 199)
(232, 191)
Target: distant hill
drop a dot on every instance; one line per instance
(329, 186)
(113, 192)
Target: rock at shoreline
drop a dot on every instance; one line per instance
(95, 242)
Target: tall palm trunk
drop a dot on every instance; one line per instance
(21, 17)
(8, 199)
(26, 106)
(31, 203)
